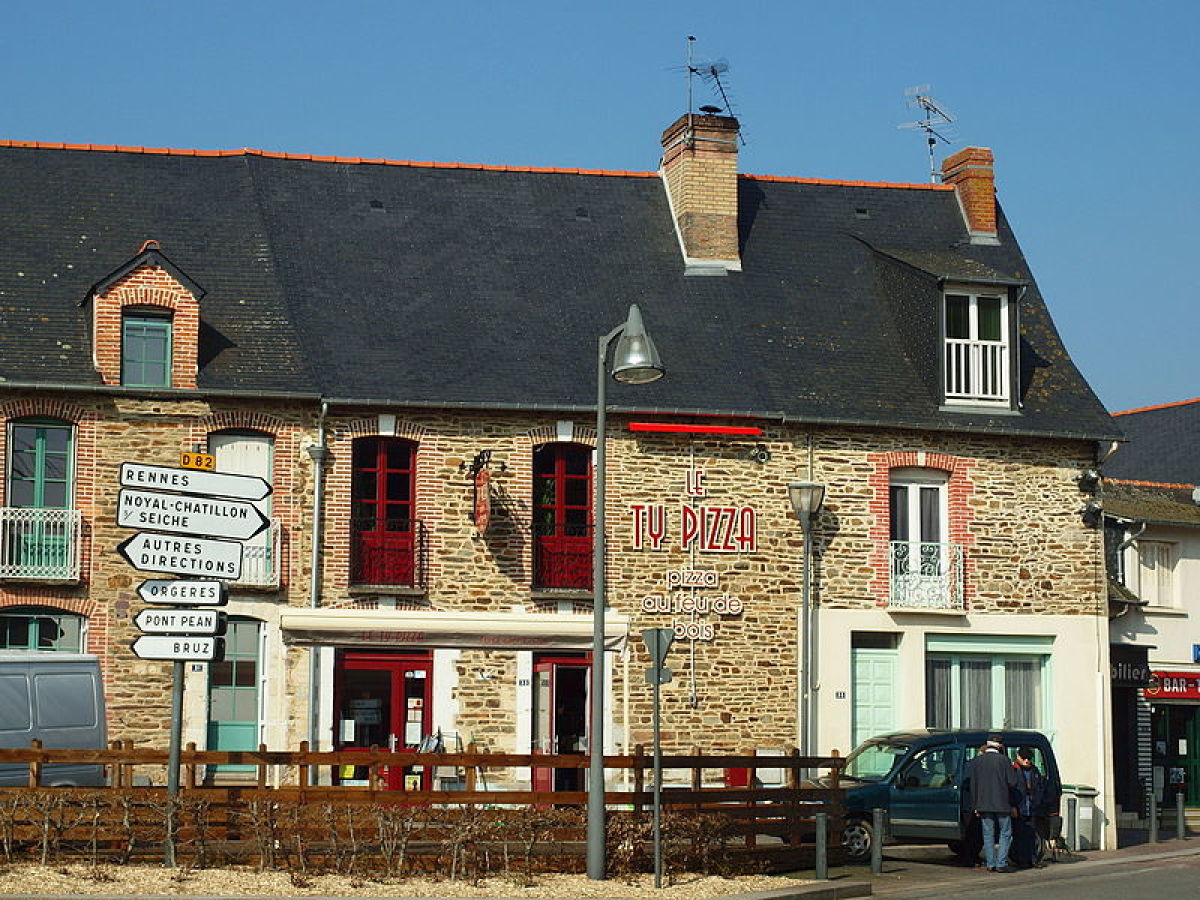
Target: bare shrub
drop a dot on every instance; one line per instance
(626, 836)
(534, 826)
(395, 826)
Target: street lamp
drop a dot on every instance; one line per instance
(634, 361)
(806, 497)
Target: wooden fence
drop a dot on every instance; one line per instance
(286, 795)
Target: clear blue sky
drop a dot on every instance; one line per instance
(1091, 107)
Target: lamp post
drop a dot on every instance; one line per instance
(806, 497)
(634, 361)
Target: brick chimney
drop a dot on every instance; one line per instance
(971, 172)
(699, 167)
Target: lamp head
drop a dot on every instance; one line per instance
(636, 360)
(806, 498)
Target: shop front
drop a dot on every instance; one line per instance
(1175, 734)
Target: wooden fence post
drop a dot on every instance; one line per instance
(794, 801)
(115, 767)
(189, 770)
(127, 747)
(697, 778)
(35, 766)
(302, 769)
(751, 836)
(262, 768)
(472, 771)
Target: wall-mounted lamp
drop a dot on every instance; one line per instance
(760, 454)
(1089, 481)
(482, 460)
(1092, 513)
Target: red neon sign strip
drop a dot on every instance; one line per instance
(674, 428)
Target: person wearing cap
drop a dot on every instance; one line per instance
(1031, 802)
(992, 781)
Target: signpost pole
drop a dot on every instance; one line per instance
(658, 866)
(173, 753)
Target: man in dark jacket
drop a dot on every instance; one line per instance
(993, 780)
(1031, 803)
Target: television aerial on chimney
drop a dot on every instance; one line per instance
(713, 73)
(933, 123)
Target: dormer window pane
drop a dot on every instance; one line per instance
(958, 316)
(146, 351)
(989, 318)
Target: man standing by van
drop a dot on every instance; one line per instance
(992, 782)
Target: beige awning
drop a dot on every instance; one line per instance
(420, 628)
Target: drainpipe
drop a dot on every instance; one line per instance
(319, 454)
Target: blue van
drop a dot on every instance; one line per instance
(918, 778)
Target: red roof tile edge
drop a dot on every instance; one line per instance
(483, 167)
(1159, 484)
(1140, 409)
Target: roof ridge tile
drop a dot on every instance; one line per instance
(1140, 409)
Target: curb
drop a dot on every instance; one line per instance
(821, 890)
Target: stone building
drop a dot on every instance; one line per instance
(406, 353)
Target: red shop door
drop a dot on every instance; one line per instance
(384, 700)
(560, 716)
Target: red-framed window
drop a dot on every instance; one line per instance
(387, 535)
(562, 516)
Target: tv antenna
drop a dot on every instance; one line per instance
(711, 72)
(934, 121)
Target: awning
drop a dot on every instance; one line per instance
(420, 628)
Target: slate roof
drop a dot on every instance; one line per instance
(442, 285)
(1165, 504)
(1164, 444)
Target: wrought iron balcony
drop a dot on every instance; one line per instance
(40, 544)
(262, 559)
(926, 576)
(562, 556)
(387, 552)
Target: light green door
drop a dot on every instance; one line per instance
(873, 692)
(233, 692)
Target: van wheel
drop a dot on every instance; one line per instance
(858, 838)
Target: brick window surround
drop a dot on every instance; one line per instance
(959, 489)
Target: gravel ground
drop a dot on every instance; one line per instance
(143, 880)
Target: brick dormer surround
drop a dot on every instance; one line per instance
(148, 281)
(972, 173)
(699, 167)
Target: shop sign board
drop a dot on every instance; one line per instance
(181, 621)
(179, 648)
(184, 591)
(194, 481)
(181, 514)
(1129, 666)
(483, 500)
(1173, 686)
(183, 555)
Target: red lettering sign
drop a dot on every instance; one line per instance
(1174, 686)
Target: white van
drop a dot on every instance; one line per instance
(58, 699)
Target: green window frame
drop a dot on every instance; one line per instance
(146, 349)
(233, 691)
(987, 681)
(31, 628)
(40, 464)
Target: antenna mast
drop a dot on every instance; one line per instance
(935, 117)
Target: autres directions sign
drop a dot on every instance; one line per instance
(183, 555)
(179, 514)
(183, 621)
(177, 648)
(193, 481)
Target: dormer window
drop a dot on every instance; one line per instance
(977, 360)
(145, 349)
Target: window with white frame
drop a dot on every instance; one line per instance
(925, 567)
(977, 352)
(1155, 572)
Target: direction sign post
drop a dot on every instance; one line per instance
(658, 643)
(179, 591)
(194, 481)
(180, 621)
(183, 555)
(183, 514)
(179, 648)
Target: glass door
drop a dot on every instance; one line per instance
(560, 716)
(384, 702)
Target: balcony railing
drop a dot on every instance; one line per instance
(562, 556)
(926, 576)
(388, 553)
(262, 558)
(40, 544)
(976, 370)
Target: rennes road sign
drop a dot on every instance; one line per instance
(183, 555)
(182, 621)
(193, 481)
(179, 514)
(176, 647)
(192, 592)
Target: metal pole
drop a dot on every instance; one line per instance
(595, 798)
(658, 866)
(173, 752)
(1180, 824)
(1073, 823)
(822, 838)
(877, 841)
(806, 705)
(1153, 836)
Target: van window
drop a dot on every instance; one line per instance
(14, 703)
(65, 700)
(936, 768)
(873, 761)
